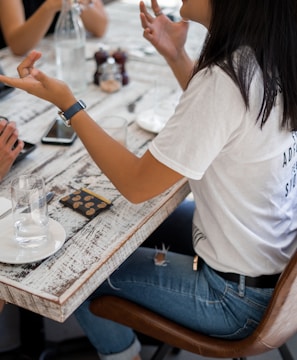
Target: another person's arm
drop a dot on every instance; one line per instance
(8, 154)
(169, 39)
(22, 35)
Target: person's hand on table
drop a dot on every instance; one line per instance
(8, 153)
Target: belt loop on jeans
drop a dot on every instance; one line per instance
(195, 263)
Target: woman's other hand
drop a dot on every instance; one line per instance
(166, 36)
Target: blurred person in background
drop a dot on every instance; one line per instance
(23, 23)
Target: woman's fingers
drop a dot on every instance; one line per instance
(156, 8)
(26, 83)
(146, 18)
(26, 66)
(25, 69)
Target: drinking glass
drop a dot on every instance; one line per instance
(29, 211)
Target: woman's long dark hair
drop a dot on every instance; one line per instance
(269, 28)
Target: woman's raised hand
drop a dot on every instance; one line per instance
(166, 36)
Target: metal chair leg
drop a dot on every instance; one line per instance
(161, 352)
(285, 352)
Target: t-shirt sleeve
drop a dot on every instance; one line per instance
(208, 115)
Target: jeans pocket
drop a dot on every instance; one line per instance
(237, 316)
(244, 313)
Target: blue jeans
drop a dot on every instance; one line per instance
(200, 300)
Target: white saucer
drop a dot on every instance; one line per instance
(154, 120)
(12, 253)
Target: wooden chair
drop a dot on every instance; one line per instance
(278, 324)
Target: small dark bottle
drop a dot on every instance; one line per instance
(100, 58)
(121, 59)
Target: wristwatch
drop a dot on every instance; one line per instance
(69, 113)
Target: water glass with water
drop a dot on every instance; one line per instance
(29, 211)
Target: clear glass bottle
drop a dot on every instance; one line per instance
(111, 78)
(70, 43)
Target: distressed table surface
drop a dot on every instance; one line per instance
(56, 286)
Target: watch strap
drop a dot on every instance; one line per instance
(70, 112)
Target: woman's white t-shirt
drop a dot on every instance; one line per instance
(243, 178)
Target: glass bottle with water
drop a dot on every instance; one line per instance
(70, 42)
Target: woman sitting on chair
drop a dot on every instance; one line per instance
(233, 135)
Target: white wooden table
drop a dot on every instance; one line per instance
(56, 286)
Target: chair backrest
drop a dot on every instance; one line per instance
(278, 324)
(280, 320)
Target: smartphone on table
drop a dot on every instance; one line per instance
(58, 134)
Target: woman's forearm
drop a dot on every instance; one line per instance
(182, 68)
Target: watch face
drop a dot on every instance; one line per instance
(64, 119)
